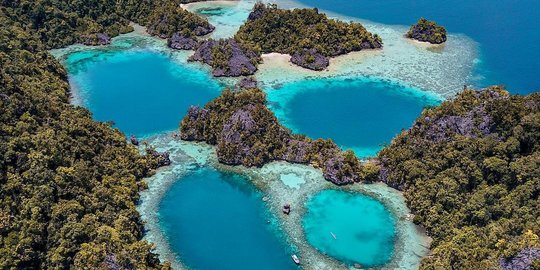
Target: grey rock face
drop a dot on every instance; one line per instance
(196, 118)
(246, 83)
(237, 63)
(310, 59)
(181, 42)
(96, 39)
(522, 261)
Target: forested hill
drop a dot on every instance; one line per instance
(470, 171)
(58, 23)
(68, 184)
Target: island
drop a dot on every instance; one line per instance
(310, 37)
(427, 31)
(247, 133)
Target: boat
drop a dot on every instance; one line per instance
(333, 235)
(295, 259)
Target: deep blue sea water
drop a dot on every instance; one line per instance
(142, 92)
(360, 114)
(508, 31)
(216, 220)
(364, 229)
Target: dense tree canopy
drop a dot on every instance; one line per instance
(58, 23)
(427, 31)
(246, 132)
(470, 171)
(68, 184)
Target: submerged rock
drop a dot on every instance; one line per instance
(246, 83)
(310, 59)
(182, 42)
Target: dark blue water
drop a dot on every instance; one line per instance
(142, 92)
(216, 220)
(508, 31)
(358, 114)
(363, 228)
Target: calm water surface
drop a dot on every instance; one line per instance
(142, 92)
(359, 114)
(351, 227)
(216, 220)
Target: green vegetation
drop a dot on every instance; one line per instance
(68, 184)
(58, 23)
(302, 33)
(246, 132)
(168, 18)
(470, 171)
(427, 31)
(270, 29)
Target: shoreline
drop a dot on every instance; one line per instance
(191, 6)
(270, 181)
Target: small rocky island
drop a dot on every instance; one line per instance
(247, 133)
(170, 21)
(427, 31)
(316, 38)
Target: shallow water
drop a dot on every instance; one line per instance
(506, 30)
(142, 92)
(226, 16)
(218, 219)
(351, 227)
(362, 115)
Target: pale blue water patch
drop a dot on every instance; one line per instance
(507, 31)
(350, 227)
(360, 114)
(226, 16)
(143, 92)
(292, 180)
(217, 220)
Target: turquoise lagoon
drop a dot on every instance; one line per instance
(351, 227)
(359, 114)
(218, 220)
(143, 92)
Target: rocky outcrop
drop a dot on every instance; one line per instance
(473, 124)
(257, 11)
(226, 57)
(96, 39)
(310, 59)
(134, 140)
(246, 83)
(427, 31)
(522, 261)
(195, 120)
(169, 18)
(159, 159)
(182, 42)
(247, 133)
